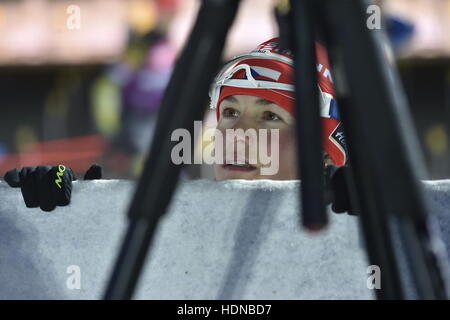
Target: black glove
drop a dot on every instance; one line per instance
(47, 186)
(93, 173)
(337, 189)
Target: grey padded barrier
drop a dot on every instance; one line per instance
(220, 240)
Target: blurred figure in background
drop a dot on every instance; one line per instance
(141, 91)
(129, 92)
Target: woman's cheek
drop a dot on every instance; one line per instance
(280, 141)
(287, 154)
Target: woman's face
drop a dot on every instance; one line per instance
(251, 112)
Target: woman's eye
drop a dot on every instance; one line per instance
(230, 113)
(270, 116)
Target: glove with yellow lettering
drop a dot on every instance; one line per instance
(47, 186)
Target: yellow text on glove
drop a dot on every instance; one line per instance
(59, 174)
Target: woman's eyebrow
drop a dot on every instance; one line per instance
(263, 102)
(230, 99)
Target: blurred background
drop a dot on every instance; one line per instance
(81, 81)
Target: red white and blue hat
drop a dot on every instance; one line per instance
(268, 72)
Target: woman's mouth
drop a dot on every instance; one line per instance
(239, 167)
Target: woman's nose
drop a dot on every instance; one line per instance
(245, 132)
(245, 122)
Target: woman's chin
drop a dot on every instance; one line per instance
(235, 172)
(226, 173)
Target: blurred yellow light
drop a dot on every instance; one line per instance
(142, 15)
(106, 106)
(137, 164)
(436, 139)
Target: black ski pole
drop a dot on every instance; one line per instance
(184, 102)
(309, 132)
(384, 151)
